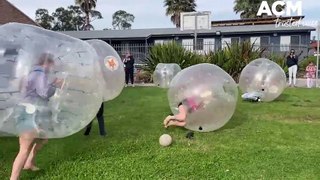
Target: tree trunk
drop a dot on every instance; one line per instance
(177, 19)
(87, 22)
(87, 12)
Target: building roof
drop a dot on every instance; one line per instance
(255, 21)
(165, 32)
(9, 13)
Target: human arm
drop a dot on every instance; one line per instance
(299, 54)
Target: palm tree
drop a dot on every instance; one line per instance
(249, 8)
(86, 7)
(175, 7)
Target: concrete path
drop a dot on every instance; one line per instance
(303, 83)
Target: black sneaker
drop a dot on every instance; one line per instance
(190, 135)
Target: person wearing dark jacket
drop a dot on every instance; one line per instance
(100, 121)
(292, 63)
(129, 68)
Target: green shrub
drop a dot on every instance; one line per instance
(171, 53)
(235, 57)
(304, 63)
(280, 59)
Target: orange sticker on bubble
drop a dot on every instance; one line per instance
(111, 63)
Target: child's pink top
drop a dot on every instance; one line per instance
(191, 104)
(311, 71)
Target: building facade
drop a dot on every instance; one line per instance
(263, 33)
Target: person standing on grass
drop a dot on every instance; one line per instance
(129, 68)
(292, 63)
(37, 90)
(100, 121)
(311, 74)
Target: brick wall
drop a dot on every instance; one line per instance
(9, 13)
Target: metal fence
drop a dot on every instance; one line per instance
(141, 51)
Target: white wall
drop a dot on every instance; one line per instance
(188, 44)
(225, 42)
(208, 45)
(285, 42)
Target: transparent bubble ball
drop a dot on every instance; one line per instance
(164, 73)
(111, 69)
(265, 77)
(32, 62)
(207, 93)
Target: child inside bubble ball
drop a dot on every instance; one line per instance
(36, 92)
(185, 107)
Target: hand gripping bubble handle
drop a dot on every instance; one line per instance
(58, 94)
(65, 75)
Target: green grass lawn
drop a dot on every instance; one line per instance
(278, 140)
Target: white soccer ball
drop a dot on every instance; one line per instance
(165, 140)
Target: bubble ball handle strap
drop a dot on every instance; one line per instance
(56, 107)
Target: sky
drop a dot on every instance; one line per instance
(151, 13)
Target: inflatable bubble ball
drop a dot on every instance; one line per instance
(208, 94)
(164, 73)
(265, 77)
(111, 67)
(48, 84)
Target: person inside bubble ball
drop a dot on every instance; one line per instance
(185, 107)
(36, 92)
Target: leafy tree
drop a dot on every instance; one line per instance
(250, 8)
(122, 20)
(65, 19)
(44, 19)
(87, 6)
(175, 7)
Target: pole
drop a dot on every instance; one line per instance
(196, 32)
(318, 52)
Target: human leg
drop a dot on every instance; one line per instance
(26, 141)
(88, 129)
(290, 75)
(176, 120)
(309, 82)
(131, 76)
(312, 82)
(127, 76)
(30, 163)
(294, 74)
(101, 121)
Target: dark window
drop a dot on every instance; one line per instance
(235, 40)
(245, 39)
(179, 41)
(295, 40)
(264, 41)
(199, 45)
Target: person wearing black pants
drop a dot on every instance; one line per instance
(129, 68)
(100, 121)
